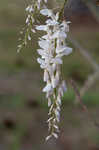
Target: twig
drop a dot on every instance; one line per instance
(89, 82)
(93, 9)
(92, 78)
(85, 53)
(84, 107)
(73, 84)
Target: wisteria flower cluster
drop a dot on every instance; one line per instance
(32, 11)
(52, 48)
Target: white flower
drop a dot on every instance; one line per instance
(55, 135)
(47, 88)
(41, 27)
(33, 30)
(40, 61)
(27, 20)
(59, 99)
(57, 115)
(44, 44)
(46, 75)
(57, 60)
(54, 82)
(62, 51)
(48, 137)
(49, 119)
(45, 1)
(29, 9)
(29, 38)
(44, 53)
(49, 102)
(56, 127)
(46, 12)
(54, 67)
(51, 22)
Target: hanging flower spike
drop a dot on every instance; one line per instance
(53, 48)
(31, 9)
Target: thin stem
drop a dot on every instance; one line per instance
(61, 14)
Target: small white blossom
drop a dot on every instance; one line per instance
(57, 113)
(54, 81)
(46, 12)
(46, 75)
(57, 60)
(45, 1)
(49, 102)
(59, 99)
(29, 38)
(30, 9)
(47, 88)
(55, 135)
(33, 30)
(42, 27)
(48, 137)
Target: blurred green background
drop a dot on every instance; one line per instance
(23, 107)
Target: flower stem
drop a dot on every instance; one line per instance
(61, 14)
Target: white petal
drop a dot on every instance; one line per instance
(55, 34)
(47, 88)
(40, 52)
(48, 137)
(33, 20)
(60, 49)
(57, 60)
(49, 119)
(57, 16)
(64, 51)
(49, 102)
(27, 9)
(48, 94)
(56, 126)
(45, 37)
(43, 44)
(46, 75)
(46, 12)
(59, 99)
(43, 66)
(50, 109)
(33, 30)
(55, 135)
(29, 38)
(68, 51)
(27, 20)
(54, 82)
(40, 61)
(57, 115)
(51, 22)
(41, 27)
(62, 34)
(45, 1)
(50, 70)
(54, 67)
